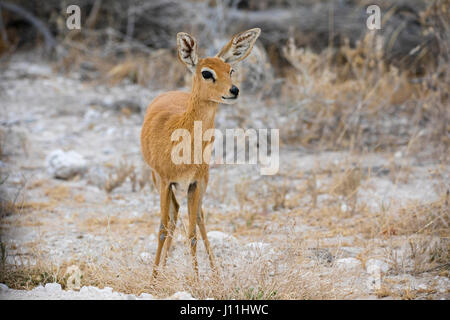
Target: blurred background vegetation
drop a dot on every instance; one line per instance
(317, 73)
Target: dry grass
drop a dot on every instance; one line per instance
(289, 273)
(116, 179)
(241, 277)
(427, 219)
(127, 171)
(355, 100)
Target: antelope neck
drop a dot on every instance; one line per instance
(200, 110)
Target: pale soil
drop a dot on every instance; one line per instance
(77, 220)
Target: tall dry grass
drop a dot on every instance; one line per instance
(350, 98)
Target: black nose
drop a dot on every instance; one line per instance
(234, 90)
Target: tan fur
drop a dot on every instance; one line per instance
(175, 110)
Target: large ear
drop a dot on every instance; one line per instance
(240, 46)
(187, 50)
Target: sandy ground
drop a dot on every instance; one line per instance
(77, 220)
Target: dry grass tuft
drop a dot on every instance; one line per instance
(426, 219)
(121, 173)
(58, 193)
(351, 99)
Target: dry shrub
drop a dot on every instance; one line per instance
(428, 219)
(287, 273)
(350, 98)
(278, 194)
(125, 171)
(119, 176)
(120, 60)
(429, 254)
(240, 278)
(11, 202)
(28, 277)
(160, 69)
(346, 185)
(242, 192)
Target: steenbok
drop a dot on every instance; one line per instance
(212, 84)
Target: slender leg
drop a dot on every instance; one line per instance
(193, 205)
(164, 203)
(201, 226)
(173, 217)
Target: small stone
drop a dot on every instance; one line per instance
(107, 290)
(322, 255)
(375, 266)
(146, 296)
(258, 246)
(422, 287)
(218, 238)
(348, 263)
(182, 295)
(53, 287)
(256, 249)
(3, 287)
(97, 176)
(65, 165)
(84, 290)
(39, 288)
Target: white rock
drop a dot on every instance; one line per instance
(84, 290)
(53, 287)
(218, 238)
(87, 290)
(374, 282)
(181, 295)
(348, 263)
(146, 296)
(64, 165)
(422, 286)
(97, 175)
(39, 288)
(261, 246)
(375, 266)
(94, 289)
(256, 249)
(107, 290)
(3, 287)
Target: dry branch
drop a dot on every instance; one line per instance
(50, 41)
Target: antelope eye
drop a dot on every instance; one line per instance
(207, 75)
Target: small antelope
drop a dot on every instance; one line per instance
(212, 84)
